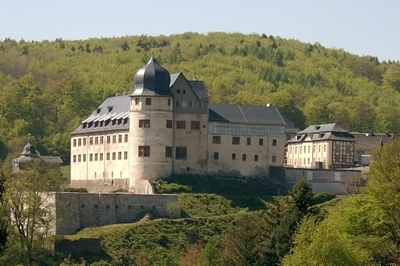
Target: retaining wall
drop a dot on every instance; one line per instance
(74, 211)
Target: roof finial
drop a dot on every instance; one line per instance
(29, 138)
(194, 78)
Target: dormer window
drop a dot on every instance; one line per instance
(84, 125)
(98, 110)
(96, 124)
(110, 108)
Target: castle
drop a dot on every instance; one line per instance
(167, 126)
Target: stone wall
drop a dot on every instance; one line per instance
(74, 211)
(323, 180)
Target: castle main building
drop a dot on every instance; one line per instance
(167, 126)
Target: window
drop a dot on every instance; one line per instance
(248, 141)
(119, 155)
(274, 159)
(195, 125)
(148, 101)
(84, 141)
(84, 158)
(136, 101)
(233, 156)
(101, 156)
(200, 105)
(181, 153)
(113, 155)
(169, 102)
(184, 92)
(108, 156)
(119, 138)
(235, 140)
(244, 157)
(256, 158)
(216, 155)
(168, 152)
(177, 103)
(260, 142)
(96, 140)
(108, 139)
(101, 140)
(274, 142)
(178, 91)
(144, 151)
(91, 141)
(190, 104)
(216, 139)
(126, 138)
(309, 148)
(96, 157)
(79, 158)
(79, 142)
(144, 123)
(181, 124)
(169, 123)
(91, 157)
(74, 143)
(74, 158)
(183, 104)
(125, 155)
(114, 138)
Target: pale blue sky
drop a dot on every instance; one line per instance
(361, 27)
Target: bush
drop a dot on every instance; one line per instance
(322, 197)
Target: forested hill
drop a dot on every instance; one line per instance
(47, 88)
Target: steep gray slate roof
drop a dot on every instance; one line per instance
(200, 89)
(245, 114)
(112, 114)
(289, 126)
(367, 142)
(323, 132)
(333, 127)
(198, 86)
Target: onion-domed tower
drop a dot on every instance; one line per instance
(150, 126)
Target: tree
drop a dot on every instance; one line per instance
(3, 221)
(244, 240)
(291, 212)
(29, 211)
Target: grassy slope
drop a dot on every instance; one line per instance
(207, 217)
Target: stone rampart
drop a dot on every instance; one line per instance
(323, 180)
(74, 211)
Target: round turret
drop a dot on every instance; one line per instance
(152, 80)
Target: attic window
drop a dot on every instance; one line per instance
(98, 110)
(125, 121)
(113, 122)
(317, 127)
(178, 91)
(110, 108)
(96, 124)
(107, 122)
(322, 135)
(84, 125)
(101, 123)
(119, 121)
(90, 124)
(298, 137)
(184, 92)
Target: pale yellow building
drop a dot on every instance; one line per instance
(326, 146)
(167, 126)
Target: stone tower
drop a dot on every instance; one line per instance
(150, 127)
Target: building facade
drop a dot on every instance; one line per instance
(326, 146)
(167, 126)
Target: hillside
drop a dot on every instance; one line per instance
(47, 88)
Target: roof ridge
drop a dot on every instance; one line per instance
(241, 111)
